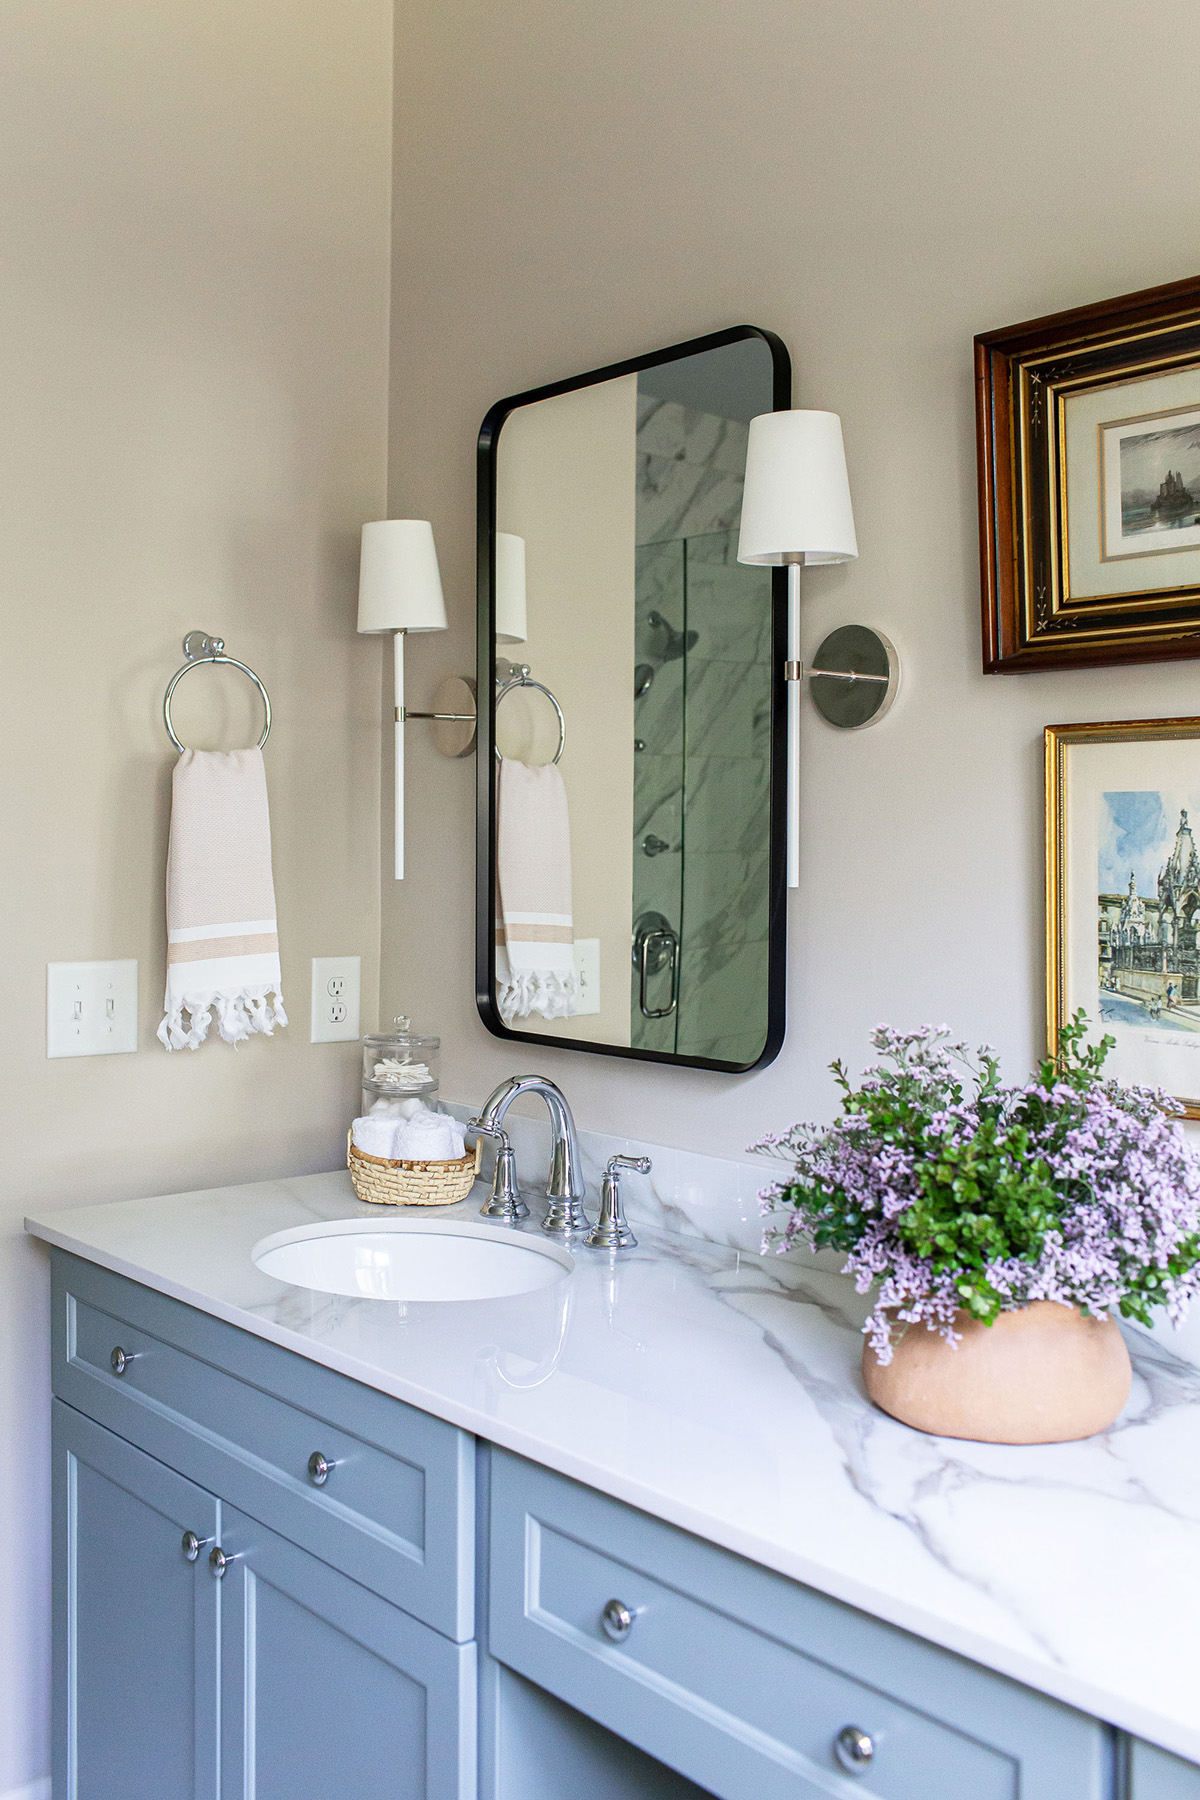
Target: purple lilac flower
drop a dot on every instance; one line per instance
(1123, 1186)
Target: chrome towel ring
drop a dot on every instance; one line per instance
(199, 648)
(521, 678)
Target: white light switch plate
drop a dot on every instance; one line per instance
(587, 968)
(335, 997)
(91, 1008)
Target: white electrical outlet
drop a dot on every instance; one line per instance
(335, 993)
(587, 970)
(91, 1008)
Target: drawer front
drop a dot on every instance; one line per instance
(395, 1510)
(1157, 1775)
(744, 1681)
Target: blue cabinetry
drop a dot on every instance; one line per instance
(328, 1690)
(749, 1684)
(1154, 1774)
(265, 1589)
(135, 1639)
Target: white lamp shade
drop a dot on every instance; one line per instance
(399, 588)
(796, 505)
(510, 589)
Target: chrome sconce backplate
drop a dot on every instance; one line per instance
(854, 677)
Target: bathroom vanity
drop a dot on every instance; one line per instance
(522, 1549)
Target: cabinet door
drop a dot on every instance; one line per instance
(1157, 1775)
(135, 1623)
(327, 1690)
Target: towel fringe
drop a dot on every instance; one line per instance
(550, 992)
(241, 1012)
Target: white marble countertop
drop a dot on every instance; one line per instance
(721, 1391)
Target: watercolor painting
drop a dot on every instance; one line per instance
(1148, 902)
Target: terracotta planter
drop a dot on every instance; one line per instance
(1044, 1375)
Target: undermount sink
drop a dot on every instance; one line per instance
(411, 1259)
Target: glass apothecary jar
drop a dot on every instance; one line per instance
(400, 1064)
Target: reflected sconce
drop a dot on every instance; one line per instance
(796, 510)
(510, 589)
(400, 590)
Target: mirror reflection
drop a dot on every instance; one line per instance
(632, 668)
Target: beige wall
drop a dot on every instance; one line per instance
(193, 373)
(877, 183)
(567, 485)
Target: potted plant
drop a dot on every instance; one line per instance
(1000, 1227)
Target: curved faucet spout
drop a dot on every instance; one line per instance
(565, 1187)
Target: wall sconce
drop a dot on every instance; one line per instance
(399, 590)
(796, 510)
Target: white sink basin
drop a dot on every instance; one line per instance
(411, 1259)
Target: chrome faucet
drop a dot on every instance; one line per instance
(565, 1188)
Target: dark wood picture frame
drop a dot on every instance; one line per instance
(485, 801)
(1024, 377)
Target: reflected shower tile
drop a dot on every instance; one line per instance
(727, 806)
(725, 897)
(725, 707)
(667, 428)
(679, 499)
(658, 806)
(730, 611)
(722, 996)
(718, 547)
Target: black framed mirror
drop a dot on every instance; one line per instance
(630, 880)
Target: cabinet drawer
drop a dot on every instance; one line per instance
(1157, 1775)
(743, 1680)
(243, 1417)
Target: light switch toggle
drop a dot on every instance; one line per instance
(91, 1008)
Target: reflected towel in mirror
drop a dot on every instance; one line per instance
(535, 935)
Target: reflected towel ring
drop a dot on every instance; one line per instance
(199, 648)
(521, 678)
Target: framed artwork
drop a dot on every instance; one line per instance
(1088, 428)
(1123, 894)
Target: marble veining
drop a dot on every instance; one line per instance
(720, 1390)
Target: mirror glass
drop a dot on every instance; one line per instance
(633, 879)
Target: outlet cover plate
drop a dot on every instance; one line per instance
(587, 968)
(336, 982)
(92, 1008)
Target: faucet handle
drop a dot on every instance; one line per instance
(610, 1232)
(504, 1202)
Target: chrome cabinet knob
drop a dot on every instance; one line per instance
(192, 1545)
(219, 1560)
(854, 1749)
(320, 1468)
(120, 1359)
(617, 1621)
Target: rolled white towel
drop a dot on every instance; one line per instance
(429, 1137)
(374, 1136)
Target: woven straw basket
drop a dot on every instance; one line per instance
(387, 1183)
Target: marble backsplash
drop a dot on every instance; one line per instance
(709, 1197)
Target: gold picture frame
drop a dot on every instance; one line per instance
(1127, 949)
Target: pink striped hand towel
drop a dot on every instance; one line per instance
(222, 946)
